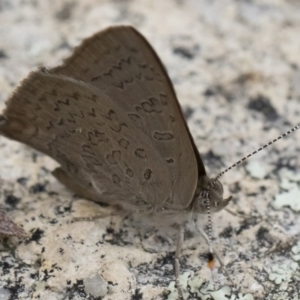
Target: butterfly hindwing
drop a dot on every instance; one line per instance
(90, 136)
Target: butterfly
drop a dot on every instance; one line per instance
(110, 117)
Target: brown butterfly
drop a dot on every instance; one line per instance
(110, 117)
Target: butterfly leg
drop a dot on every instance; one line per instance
(94, 218)
(216, 254)
(177, 256)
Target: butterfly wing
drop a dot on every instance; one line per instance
(120, 62)
(91, 137)
(110, 117)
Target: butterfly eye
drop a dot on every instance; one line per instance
(204, 202)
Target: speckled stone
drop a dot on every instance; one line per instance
(235, 67)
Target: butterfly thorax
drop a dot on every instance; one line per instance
(209, 193)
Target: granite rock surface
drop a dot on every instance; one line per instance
(235, 67)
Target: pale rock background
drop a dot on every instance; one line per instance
(235, 66)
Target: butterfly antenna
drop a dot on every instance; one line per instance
(211, 261)
(259, 149)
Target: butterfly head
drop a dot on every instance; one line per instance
(210, 196)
